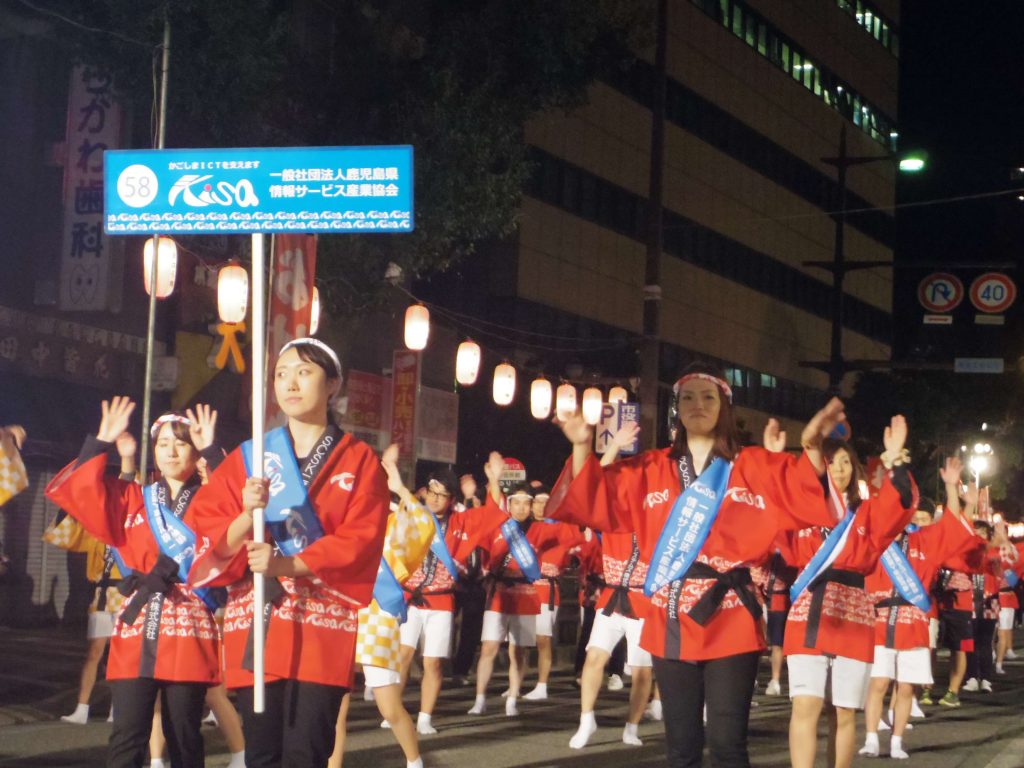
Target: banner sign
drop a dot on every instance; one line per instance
(404, 391)
(247, 191)
(94, 128)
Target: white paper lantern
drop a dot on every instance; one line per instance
(592, 402)
(314, 312)
(417, 327)
(467, 363)
(540, 398)
(565, 400)
(166, 265)
(504, 384)
(232, 293)
(618, 394)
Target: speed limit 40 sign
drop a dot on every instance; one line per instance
(993, 293)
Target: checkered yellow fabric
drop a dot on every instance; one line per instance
(13, 477)
(378, 640)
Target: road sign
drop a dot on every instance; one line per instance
(993, 293)
(979, 365)
(613, 417)
(940, 292)
(325, 190)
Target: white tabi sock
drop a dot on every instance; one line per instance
(629, 735)
(588, 725)
(237, 760)
(417, 763)
(79, 717)
(157, 762)
(896, 749)
(479, 706)
(870, 748)
(538, 694)
(424, 726)
(511, 710)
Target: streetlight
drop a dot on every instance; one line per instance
(980, 461)
(836, 366)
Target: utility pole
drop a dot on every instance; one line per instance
(650, 352)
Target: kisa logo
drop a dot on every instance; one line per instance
(222, 193)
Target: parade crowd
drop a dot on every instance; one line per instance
(692, 562)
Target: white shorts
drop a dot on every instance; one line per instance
(1006, 617)
(435, 629)
(809, 676)
(378, 677)
(609, 630)
(518, 629)
(913, 665)
(101, 624)
(933, 633)
(546, 621)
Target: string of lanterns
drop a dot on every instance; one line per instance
(232, 285)
(503, 385)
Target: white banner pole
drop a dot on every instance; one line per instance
(259, 380)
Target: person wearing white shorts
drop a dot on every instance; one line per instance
(836, 679)
(431, 629)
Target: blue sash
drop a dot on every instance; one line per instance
(520, 549)
(290, 516)
(388, 592)
(823, 557)
(175, 539)
(1011, 578)
(687, 526)
(119, 562)
(903, 577)
(439, 548)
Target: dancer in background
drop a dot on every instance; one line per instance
(165, 641)
(704, 628)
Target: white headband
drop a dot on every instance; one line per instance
(314, 343)
(167, 418)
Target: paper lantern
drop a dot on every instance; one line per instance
(166, 265)
(467, 363)
(618, 394)
(417, 327)
(232, 293)
(504, 384)
(314, 312)
(540, 398)
(592, 403)
(565, 400)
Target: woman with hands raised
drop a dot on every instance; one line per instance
(165, 640)
(703, 512)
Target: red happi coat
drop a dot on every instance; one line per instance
(187, 648)
(927, 549)
(312, 631)
(775, 576)
(767, 492)
(958, 590)
(466, 531)
(553, 561)
(998, 592)
(509, 592)
(846, 622)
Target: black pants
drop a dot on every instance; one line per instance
(725, 685)
(471, 601)
(182, 713)
(979, 663)
(296, 728)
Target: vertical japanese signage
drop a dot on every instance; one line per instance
(94, 126)
(364, 414)
(404, 387)
(291, 299)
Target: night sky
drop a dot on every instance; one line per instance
(961, 100)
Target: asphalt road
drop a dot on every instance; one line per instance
(38, 682)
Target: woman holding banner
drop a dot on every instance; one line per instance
(165, 639)
(326, 502)
(703, 512)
